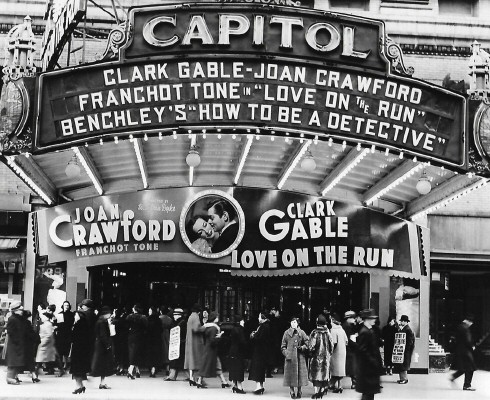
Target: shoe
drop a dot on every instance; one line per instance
(338, 390)
(36, 380)
(403, 381)
(11, 381)
(314, 396)
(259, 391)
(225, 385)
(79, 390)
(236, 390)
(130, 376)
(469, 388)
(104, 386)
(192, 382)
(169, 379)
(293, 396)
(201, 386)
(17, 379)
(138, 375)
(321, 393)
(299, 394)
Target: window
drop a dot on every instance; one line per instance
(356, 4)
(464, 8)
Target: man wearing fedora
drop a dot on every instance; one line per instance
(16, 345)
(404, 367)
(464, 362)
(369, 364)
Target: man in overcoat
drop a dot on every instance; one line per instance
(464, 362)
(369, 364)
(404, 367)
(16, 343)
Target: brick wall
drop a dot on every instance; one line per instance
(10, 183)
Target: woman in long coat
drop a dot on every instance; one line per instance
(166, 322)
(388, 333)
(63, 334)
(32, 341)
(369, 364)
(339, 355)
(236, 355)
(137, 323)
(194, 344)
(294, 345)
(103, 361)
(320, 348)
(154, 354)
(211, 364)
(81, 349)
(15, 354)
(121, 341)
(46, 351)
(178, 364)
(261, 343)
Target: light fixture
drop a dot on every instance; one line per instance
(308, 163)
(72, 169)
(193, 158)
(423, 185)
(479, 71)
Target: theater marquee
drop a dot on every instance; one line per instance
(277, 69)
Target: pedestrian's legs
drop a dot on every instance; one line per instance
(403, 376)
(11, 373)
(468, 376)
(367, 396)
(456, 375)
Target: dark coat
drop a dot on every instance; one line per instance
(464, 360)
(209, 360)
(63, 333)
(226, 238)
(121, 341)
(236, 354)
(294, 346)
(388, 333)
(82, 345)
(369, 365)
(409, 346)
(166, 322)
(32, 340)
(154, 342)
(137, 325)
(261, 346)
(179, 362)
(16, 341)
(103, 361)
(350, 360)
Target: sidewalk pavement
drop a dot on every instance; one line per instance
(419, 387)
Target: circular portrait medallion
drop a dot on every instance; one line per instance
(212, 224)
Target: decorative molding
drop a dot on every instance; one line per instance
(117, 37)
(19, 144)
(395, 55)
(477, 164)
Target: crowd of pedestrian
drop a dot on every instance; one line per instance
(167, 341)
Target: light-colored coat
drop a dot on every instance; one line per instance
(294, 346)
(337, 362)
(194, 343)
(320, 347)
(46, 351)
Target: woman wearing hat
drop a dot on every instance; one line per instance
(154, 342)
(46, 351)
(236, 355)
(261, 339)
(369, 364)
(15, 356)
(103, 361)
(294, 346)
(210, 363)
(320, 346)
(82, 346)
(138, 324)
(339, 354)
